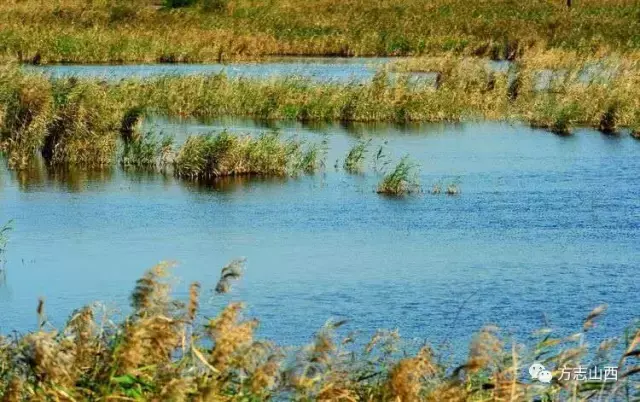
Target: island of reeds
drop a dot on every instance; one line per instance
(80, 121)
(165, 350)
(125, 31)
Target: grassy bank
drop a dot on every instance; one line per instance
(165, 350)
(98, 31)
(79, 121)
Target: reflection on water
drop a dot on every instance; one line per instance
(38, 175)
(546, 228)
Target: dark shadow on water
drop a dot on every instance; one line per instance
(38, 175)
(77, 180)
(231, 184)
(148, 176)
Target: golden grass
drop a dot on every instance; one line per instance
(79, 121)
(84, 31)
(162, 351)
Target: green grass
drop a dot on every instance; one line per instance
(223, 154)
(147, 152)
(402, 180)
(165, 350)
(80, 121)
(94, 31)
(354, 161)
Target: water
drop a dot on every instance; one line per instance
(321, 69)
(317, 68)
(545, 229)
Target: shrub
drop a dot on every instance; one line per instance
(179, 3)
(214, 6)
(609, 120)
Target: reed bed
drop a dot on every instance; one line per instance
(211, 156)
(80, 121)
(98, 31)
(166, 350)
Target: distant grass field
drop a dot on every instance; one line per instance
(118, 31)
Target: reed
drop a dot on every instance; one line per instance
(211, 156)
(453, 189)
(72, 121)
(148, 152)
(28, 108)
(78, 31)
(402, 180)
(354, 161)
(164, 350)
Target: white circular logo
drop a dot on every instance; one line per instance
(535, 370)
(545, 376)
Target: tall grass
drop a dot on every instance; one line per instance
(72, 121)
(223, 154)
(84, 129)
(354, 161)
(28, 111)
(148, 151)
(166, 350)
(402, 180)
(94, 31)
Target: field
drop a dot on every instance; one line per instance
(100, 31)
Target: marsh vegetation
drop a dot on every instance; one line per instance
(401, 180)
(80, 31)
(80, 121)
(165, 350)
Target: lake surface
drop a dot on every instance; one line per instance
(545, 229)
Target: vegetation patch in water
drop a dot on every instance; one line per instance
(354, 161)
(147, 151)
(402, 180)
(79, 121)
(223, 154)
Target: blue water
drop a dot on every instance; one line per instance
(316, 68)
(322, 69)
(545, 229)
